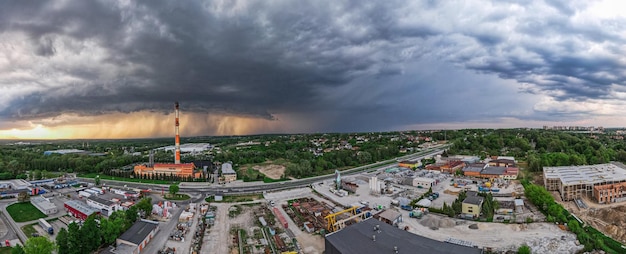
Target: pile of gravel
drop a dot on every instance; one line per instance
(437, 222)
(558, 244)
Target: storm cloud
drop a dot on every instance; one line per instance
(351, 65)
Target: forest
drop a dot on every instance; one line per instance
(304, 158)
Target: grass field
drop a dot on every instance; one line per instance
(21, 212)
(5, 250)
(29, 229)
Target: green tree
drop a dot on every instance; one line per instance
(110, 229)
(39, 245)
(23, 197)
(62, 241)
(145, 205)
(524, 249)
(91, 234)
(174, 189)
(131, 215)
(36, 175)
(17, 249)
(74, 239)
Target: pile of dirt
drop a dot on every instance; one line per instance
(438, 222)
(272, 171)
(613, 220)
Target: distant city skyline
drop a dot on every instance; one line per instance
(89, 69)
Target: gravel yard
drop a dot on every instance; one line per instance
(494, 235)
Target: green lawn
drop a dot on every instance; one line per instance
(21, 212)
(5, 250)
(29, 230)
(177, 197)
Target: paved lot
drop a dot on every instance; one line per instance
(217, 238)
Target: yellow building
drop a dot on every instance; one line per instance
(471, 206)
(409, 164)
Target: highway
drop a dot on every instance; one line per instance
(259, 187)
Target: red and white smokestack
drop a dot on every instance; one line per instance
(177, 158)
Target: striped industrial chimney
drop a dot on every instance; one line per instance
(177, 158)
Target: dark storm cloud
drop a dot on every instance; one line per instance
(267, 58)
(261, 58)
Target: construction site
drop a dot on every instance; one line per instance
(596, 194)
(320, 218)
(607, 218)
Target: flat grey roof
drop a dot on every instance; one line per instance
(474, 200)
(357, 239)
(139, 231)
(494, 170)
(425, 179)
(101, 201)
(42, 202)
(472, 169)
(587, 174)
(390, 214)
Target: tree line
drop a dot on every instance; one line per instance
(541, 148)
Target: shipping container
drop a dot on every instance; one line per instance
(84, 194)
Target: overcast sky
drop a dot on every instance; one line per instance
(113, 69)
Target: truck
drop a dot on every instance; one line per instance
(46, 226)
(99, 191)
(406, 207)
(84, 194)
(416, 214)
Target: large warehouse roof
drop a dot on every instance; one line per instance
(357, 239)
(189, 147)
(139, 231)
(587, 174)
(42, 203)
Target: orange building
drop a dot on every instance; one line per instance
(610, 193)
(452, 166)
(180, 170)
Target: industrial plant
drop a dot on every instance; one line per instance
(177, 168)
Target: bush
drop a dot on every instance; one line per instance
(524, 249)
